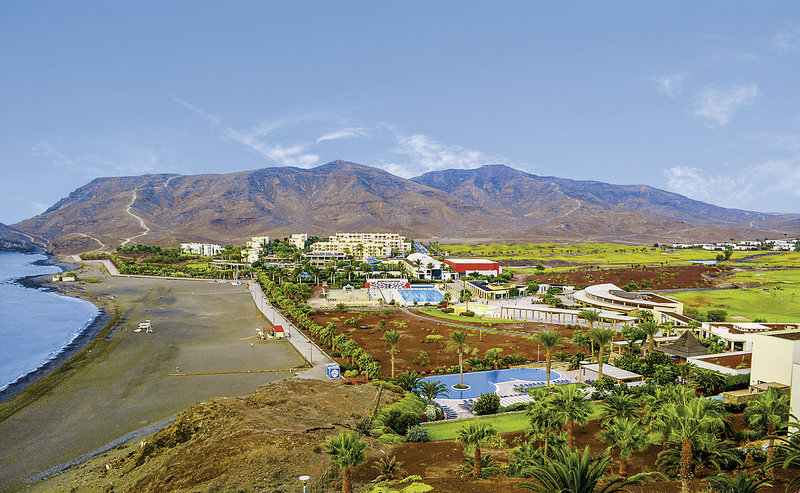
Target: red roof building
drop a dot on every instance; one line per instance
(467, 266)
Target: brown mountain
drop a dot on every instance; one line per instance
(13, 240)
(490, 203)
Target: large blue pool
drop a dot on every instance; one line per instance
(421, 295)
(481, 382)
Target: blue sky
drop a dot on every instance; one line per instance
(699, 98)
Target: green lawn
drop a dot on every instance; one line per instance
(452, 316)
(599, 254)
(772, 305)
(199, 265)
(503, 423)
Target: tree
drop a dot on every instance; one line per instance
(737, 483)
(650, 328)
(708, 382)
(488, 403)
(573, 471)
(543, 418)
(602, 337)
(458, 343)
(568, 401)
(550, 340)
(474, 435)
(769, 411)
(493, 357)
(686, 420)
(625, 436)
(408, 380)
(618, 406)
(591, 316)
(429, 390)
(346, 450)
(392, 337)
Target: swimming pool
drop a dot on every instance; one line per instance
(421, 295)
(481, 382)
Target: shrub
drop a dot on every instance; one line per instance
(447, 310)
(351, 373)
(433, 338)
(488, 403)
(417, 433)
(391, 438)
(517, 406)
(467, 313)
(399, 422)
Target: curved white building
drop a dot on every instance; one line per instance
(609, 297)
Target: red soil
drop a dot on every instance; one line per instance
(663, 277)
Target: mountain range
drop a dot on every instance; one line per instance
(491, 203)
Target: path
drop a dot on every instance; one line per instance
(141, 221)
(102, 245)
(304, 345)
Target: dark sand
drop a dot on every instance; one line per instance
(124, 384)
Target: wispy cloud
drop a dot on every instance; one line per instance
(344, 133)
(114, 158)
(258, 138)
(420, 153)
(738, 188)
(718, 104)
(788, 39)
(669, 85)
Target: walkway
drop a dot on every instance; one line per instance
(305, 346)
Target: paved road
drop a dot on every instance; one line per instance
(306, 347)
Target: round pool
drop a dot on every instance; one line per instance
(482, 382)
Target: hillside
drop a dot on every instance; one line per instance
(13, 240)
(489, 203)
(258, 443)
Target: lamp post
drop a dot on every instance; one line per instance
(304, 479)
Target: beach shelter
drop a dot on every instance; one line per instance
(686, 345)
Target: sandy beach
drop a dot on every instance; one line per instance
(121, 381)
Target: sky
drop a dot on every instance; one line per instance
(698, 98)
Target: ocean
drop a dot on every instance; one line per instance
(35, 325)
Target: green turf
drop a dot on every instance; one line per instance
(768, 303)
(503, 423)
(452, 316)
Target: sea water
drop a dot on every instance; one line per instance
(35, 325)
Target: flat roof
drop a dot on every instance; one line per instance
(789, 336)
(470, 261)
(613, 372)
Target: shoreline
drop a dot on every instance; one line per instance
(78, 343)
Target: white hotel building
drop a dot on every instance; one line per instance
(204, 249)
(364, 245)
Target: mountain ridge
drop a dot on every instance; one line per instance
(491, 203)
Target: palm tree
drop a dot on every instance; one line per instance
(738, 483)
(769, 411)
(619, 406)
(393, 338)
(650, 328)
(551, 340)
(601, 337)
(626, 436)
(475, 435)
(789, 454)
(346, 450)
(573, 471)
(591, 316)
(708, 382)
(429, 390)
(458, 343)
(493, 357)
(408, 380)
(569, 402)
(543, 418)
(682, 421)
